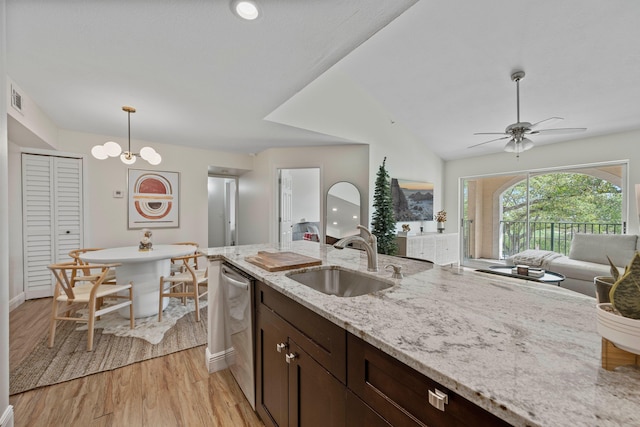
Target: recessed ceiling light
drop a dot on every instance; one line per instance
(246, 9)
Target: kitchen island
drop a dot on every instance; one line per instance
(527, 352)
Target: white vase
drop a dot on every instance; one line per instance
(440, 227)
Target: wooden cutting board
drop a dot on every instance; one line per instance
(279, 261)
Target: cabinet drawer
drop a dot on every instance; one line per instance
(323, 340)
(359, 414)
(400, 394)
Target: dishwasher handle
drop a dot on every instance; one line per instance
(230, 277)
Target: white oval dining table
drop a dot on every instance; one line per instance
(143, 269)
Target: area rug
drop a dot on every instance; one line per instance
(114, 346)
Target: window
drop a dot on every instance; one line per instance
(506, 214)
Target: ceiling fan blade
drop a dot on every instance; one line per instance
(557, 131)
(489, 133)
(486, 142)
(550, 120)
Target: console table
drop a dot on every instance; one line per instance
(441, 249)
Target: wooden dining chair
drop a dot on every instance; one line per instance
(185, 284)
(176, 265)
(86, 274)
(68, 297)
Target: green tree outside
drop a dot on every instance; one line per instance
(560, 198)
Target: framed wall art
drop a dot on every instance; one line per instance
(412, 200)
(153, 199)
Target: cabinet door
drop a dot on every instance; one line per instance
(317, 398)
(272, 382)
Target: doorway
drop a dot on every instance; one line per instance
(299, 205)
(223, 202)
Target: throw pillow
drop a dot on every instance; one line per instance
(596, 247)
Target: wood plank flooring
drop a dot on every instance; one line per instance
(173, 390)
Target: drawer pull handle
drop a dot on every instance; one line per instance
(281, 346)
(438, 399)
(289, 357)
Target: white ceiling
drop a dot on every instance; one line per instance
(200, 76)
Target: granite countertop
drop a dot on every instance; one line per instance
(525, 351)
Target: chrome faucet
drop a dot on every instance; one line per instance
(370, 245)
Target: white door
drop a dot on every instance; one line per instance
(230, 212)
(286, 206)
(52, 217)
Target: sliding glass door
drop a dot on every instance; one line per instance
(508, 213)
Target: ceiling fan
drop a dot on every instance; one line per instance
(518, 131)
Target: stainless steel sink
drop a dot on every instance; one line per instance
(332, 280)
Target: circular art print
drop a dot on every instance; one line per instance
(153, 199)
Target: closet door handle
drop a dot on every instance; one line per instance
(281, 346)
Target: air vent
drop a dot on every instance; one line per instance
(16, 99)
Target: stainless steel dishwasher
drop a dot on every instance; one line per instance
(238, 288)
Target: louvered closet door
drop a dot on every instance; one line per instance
(51, 216)
(68, 201)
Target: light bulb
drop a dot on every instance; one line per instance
(155, 160)
(247, 9)
(147, 153)
(527, 144)
(112, 149)
(128, 158)
(99, 153)
(510, 147)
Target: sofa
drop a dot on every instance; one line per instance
(587, 259)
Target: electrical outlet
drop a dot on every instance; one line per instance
(118, 194)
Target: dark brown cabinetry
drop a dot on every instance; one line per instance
(295, 380)
(310, 372)
(403, 396)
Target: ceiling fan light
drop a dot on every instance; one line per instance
(112, 149)
(128, 158)
(526, 144)
(511, 146)
(99, 152)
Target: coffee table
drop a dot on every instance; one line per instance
(505, 270)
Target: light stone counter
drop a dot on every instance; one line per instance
(525, 351)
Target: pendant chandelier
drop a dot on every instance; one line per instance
(113, 149)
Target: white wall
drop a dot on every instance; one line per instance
(621, 146)
(258, 188)
(107, 215)
(16, 273)
(305, 186)
(347, 111)
(106, 218)
(216, 212)
(30, 126)
(6, 412)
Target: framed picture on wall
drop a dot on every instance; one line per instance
(412, 200)
(153, 199)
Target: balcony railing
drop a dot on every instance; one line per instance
(550, 236)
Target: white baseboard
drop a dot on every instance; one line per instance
(6, 420)
(218, 361)
(16, 301)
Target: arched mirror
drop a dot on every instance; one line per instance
(343, 211)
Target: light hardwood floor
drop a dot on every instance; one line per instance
(173, 390)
